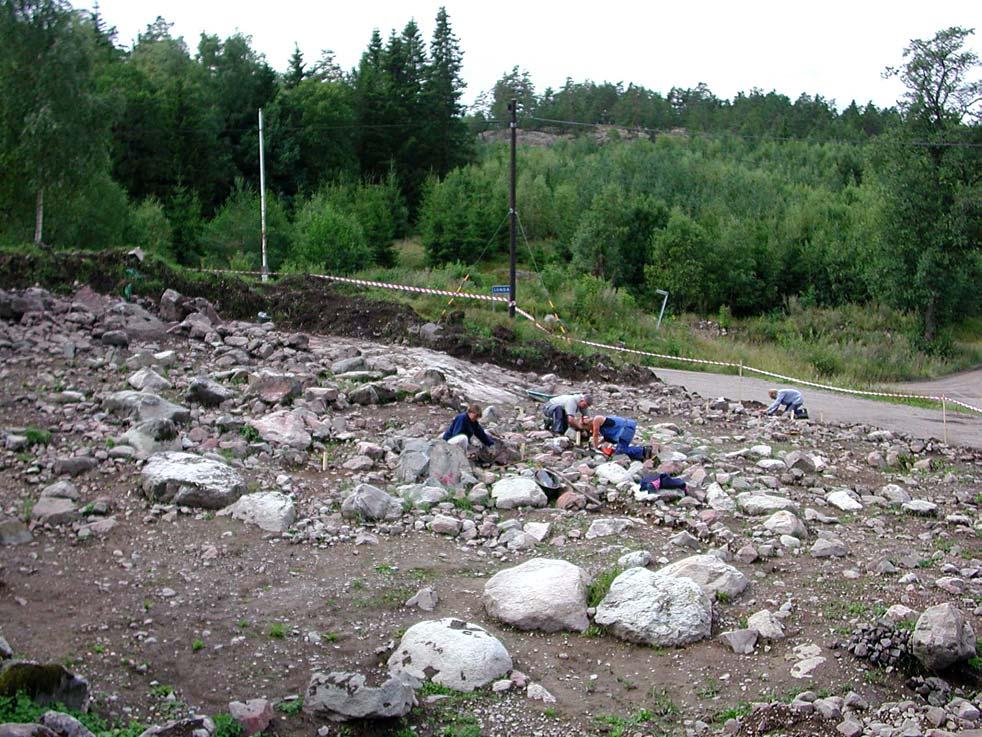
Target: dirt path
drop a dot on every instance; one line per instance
(965, 386)
(963, 429)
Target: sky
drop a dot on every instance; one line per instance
(836, 49)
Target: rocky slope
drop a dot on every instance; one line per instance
(201, 516)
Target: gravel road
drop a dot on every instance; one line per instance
(963, 428)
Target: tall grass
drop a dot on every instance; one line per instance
(857, 346)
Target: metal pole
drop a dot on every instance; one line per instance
(262, 195)
(512, 212)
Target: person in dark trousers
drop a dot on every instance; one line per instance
(789, 399)
(560, 412)
(619, 431)
(465, 426)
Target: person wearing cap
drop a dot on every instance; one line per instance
(465, 426)
(560, 412)
(619, 432)
(790, 399)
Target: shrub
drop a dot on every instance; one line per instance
(234, 235)
(149, 228)
(328, 240)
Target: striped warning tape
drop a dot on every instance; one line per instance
(771, 374)
(369, 283)
(610, 347)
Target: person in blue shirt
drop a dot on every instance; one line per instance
(790, 399)
(465, 426)
(618, 431)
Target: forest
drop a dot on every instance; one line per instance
(741, 206)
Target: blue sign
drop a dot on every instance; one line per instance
(500, 289)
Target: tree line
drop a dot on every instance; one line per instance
(156, 145)
(749, 114)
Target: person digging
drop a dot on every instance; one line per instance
(619, 432)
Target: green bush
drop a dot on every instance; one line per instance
(462, 216)
(234, 236)
(379, 208)
(150, 229)
(328, 240)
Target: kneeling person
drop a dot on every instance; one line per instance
(790, 399)
(620, 432)
(465, 426)
(560, 412)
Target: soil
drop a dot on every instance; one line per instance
(308, 304)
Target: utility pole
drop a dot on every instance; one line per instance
(262, 196)
(512, 212)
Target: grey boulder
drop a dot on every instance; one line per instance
(664, 611)
(191, 480)
(207, 392)
(340, 696)
(370, 503)
(517, 491)
(145, 406)
(712, 574)
(942, 637)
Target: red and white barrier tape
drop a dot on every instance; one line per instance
(610, 347)
(373, 284)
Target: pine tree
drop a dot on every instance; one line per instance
(295, 72)
(373, 111)
(448, 142)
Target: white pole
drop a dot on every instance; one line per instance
(262, 195)
(944, 417)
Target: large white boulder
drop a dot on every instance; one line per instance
(540, 594)
(450, 652)
(517, 491)
(712, 574)
(191, 480)
(664, 611)
(272, 511)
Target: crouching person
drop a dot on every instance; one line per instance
(787, 399)
(618, 431)
(559, 413)
(466, 426)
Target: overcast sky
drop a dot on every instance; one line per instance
(833, 48)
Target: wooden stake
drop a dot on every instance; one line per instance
(740, 383)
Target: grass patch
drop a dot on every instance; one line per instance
(226, 726)
(37, 436)
(197, 645)
(617, 726)
(250, 433)
(601, 585)
(291, 707)
(741, 709)
(21, 709)
(277, 631)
